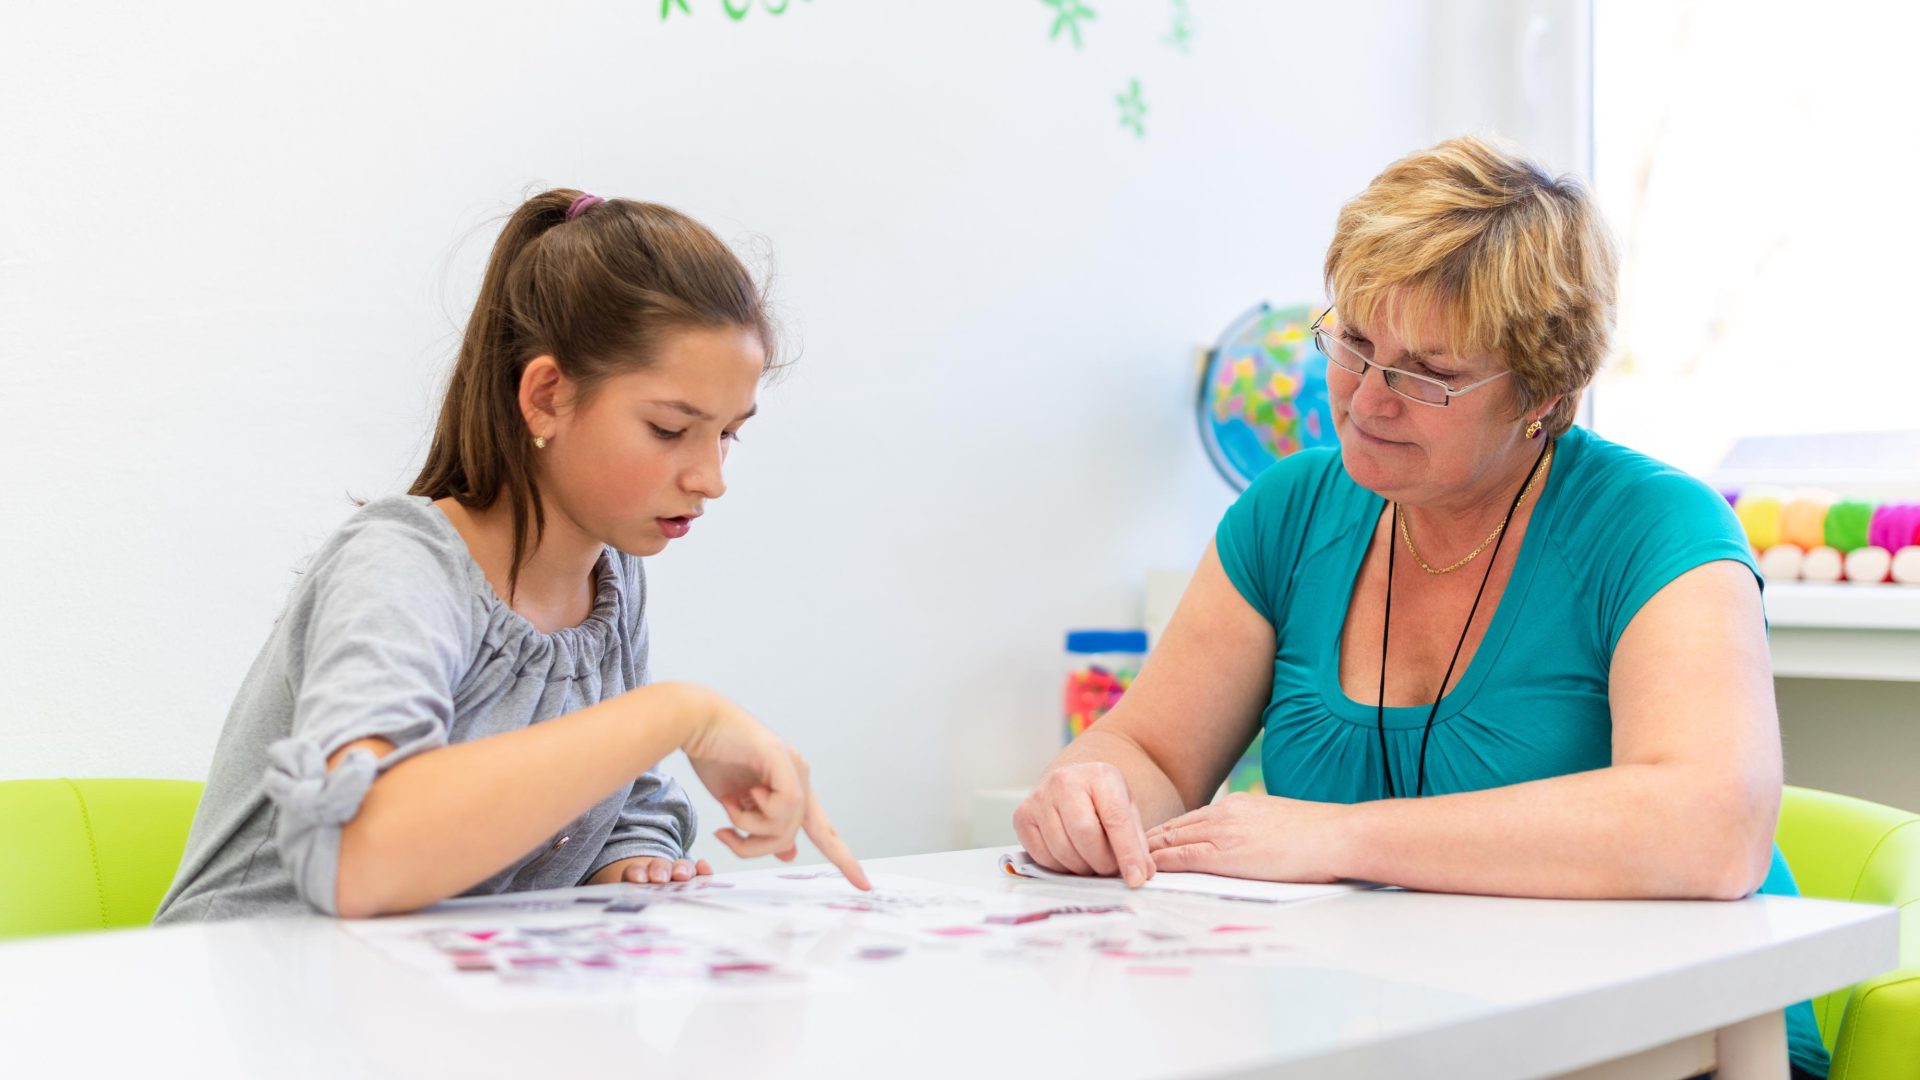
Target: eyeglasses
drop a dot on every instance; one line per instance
(1411, 385)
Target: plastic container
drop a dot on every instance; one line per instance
(1101, 664)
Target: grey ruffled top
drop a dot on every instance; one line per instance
(393, 631)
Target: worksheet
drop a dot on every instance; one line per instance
(1021, 864)
(803, 929)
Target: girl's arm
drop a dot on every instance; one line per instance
(435, 824)
(1687, 810)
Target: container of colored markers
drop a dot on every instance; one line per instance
(1101, 664)
(1818, 536)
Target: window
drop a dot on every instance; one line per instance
(1759, 172)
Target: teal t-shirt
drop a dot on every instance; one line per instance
(1611, 529)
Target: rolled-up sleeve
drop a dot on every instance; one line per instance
(658, 819)
(381, 643)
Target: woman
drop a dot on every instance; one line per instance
(1490, 652)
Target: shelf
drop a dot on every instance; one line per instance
(1851, 607)
(1816, 631)
(1845, 631)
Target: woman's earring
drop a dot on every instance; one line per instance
(540, 441)
(1533, 430)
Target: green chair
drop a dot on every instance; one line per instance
(1841, 848)
(89, 854)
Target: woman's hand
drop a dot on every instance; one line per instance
(1244, 835)
(1082, 820)
(763, 785)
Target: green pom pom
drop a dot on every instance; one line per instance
(1847, 525)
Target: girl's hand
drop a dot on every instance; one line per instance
(1082, 820)
(653, 870)
(764, 786)
(1244, 835)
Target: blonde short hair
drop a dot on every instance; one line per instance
(1517, 263)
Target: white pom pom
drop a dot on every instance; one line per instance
(1868, 565)
(1822, 564)
(1906, 565)
(1781, 562)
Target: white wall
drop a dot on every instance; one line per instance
(1518, 69)
(239, 240)
(1857, 737)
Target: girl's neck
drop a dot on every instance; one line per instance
(555, 587)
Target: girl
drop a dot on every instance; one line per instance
(456, 698)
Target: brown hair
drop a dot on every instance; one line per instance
(1519, 264)
(597, 293)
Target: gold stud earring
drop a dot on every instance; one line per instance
(1533, 430)
(540, 441)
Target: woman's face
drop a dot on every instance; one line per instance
(1419, 454)
(641, 459)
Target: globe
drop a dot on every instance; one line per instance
(1263, 393)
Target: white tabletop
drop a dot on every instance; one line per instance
(1385, 983)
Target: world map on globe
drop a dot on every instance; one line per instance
(1263, 393)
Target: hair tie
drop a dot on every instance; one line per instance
(582, 204)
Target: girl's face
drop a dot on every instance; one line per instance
(641, 459)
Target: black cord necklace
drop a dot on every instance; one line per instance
(1386, 623)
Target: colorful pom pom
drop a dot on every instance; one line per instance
(1803, 522)
(1868, 565)
(1781, 562)
(1906, 565)
(1759, 514)
(1810, 534)
(1847, 523)
(1822, 564)
(1894, 526)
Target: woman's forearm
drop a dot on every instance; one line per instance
(435, 824)
(1153, 792)
(1629, 831)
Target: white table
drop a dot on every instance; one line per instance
(1373, 984)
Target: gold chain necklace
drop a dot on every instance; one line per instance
(1538, 471)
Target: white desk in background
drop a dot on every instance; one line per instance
(1367, 984)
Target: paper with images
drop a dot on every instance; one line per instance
(784, 933)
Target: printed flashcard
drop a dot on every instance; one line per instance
(787, 932)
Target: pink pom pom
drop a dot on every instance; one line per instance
(1894, 526)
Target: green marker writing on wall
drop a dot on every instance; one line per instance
(735, 9)
(1181, 36)
(1067, 15)
(1133, 109)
